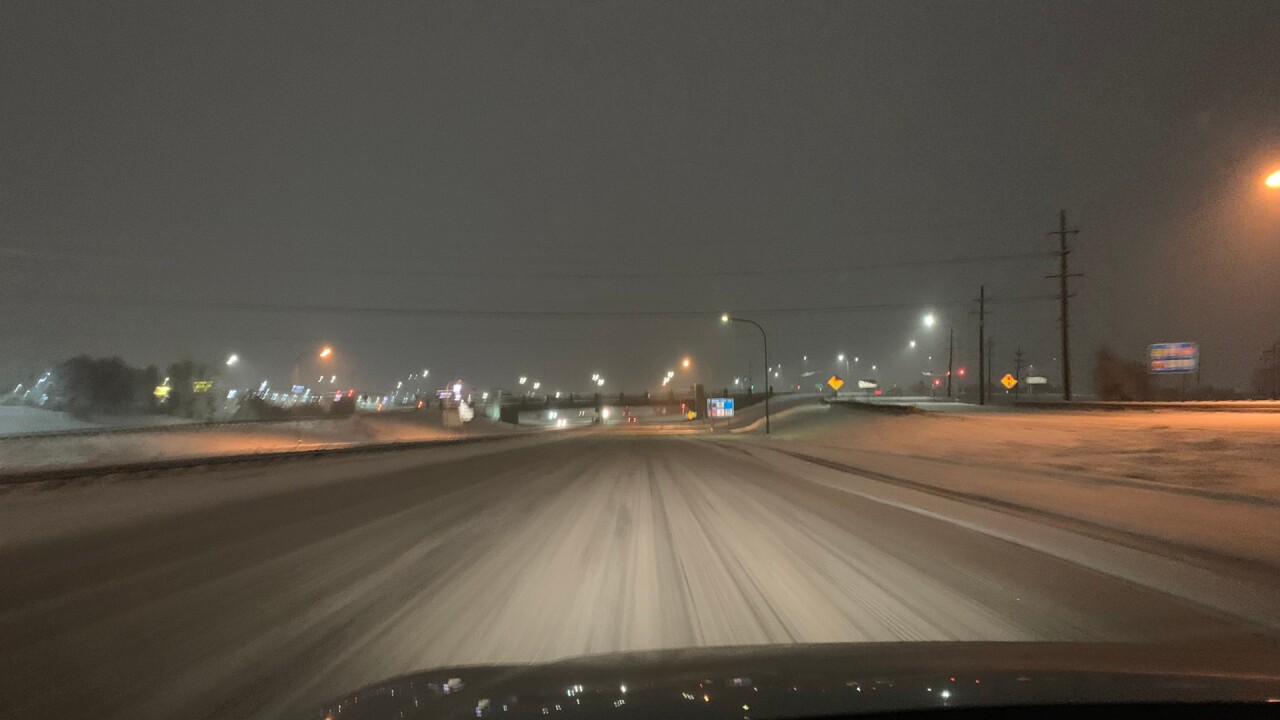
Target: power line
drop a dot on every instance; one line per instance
(516, 314)
(462, 273)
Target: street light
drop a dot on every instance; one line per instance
(844, 359)
(326, 352)
(912, 344)
(951, 347)
(523, 379)
(233, 359)
(684, 362)
(1273, 180)
(765, 338)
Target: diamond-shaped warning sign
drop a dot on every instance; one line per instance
(835, 382)
(1008, 381)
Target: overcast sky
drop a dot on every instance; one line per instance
(427, 185)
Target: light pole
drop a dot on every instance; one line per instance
(725, 318)
(325, 353)
(845, 359)
(929, 321)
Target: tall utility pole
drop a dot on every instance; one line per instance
(1017, 374)
(1062, 232)
(1274, 353)
(990, 343)
(951, 357)
(982, 343)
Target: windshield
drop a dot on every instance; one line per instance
(343, 341)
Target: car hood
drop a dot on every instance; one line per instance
(826, 679)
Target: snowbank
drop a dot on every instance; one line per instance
(21, 420)
(1192, 481)
(1231, 451)
(26, 453)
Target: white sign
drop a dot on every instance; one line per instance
(1037, 380)
(720, 407)
(867, 384)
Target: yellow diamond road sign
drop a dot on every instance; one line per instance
(835, 382)
(1008, 381)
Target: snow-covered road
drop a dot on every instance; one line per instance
(303, 581)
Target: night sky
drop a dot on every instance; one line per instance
(490, 190)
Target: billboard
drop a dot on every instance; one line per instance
(719, 407)
(1179, 357)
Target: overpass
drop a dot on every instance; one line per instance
(669, 407)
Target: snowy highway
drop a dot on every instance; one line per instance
(257, 591)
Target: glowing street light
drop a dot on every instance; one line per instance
(765, 339)
(599, 381)
(844, 359)
(929, 320)
(233, 359)
(523, 379)
(684, 362)
(536, 384)
(1273, 180)
(911, 344)
(325, 353)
